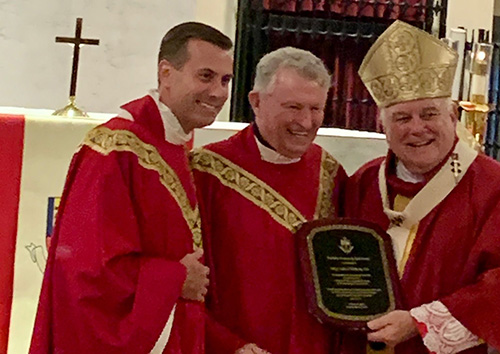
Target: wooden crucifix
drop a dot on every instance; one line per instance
(76, 41)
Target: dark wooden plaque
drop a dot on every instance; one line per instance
(349, 271)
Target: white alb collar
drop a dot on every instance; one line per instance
(272, 156)
(174, 133)
(406, 175)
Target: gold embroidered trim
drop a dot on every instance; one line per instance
(329, 168)
(400, 203)
(249, 186)
(105, 141)
(408, 248)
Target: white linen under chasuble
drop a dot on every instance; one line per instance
(433, 193)
(161, 343)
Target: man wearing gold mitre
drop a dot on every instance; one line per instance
(438, 199)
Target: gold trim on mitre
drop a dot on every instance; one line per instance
(406, 63)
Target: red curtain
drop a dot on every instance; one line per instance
(407, 10)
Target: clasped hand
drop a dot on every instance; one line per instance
(196, 283)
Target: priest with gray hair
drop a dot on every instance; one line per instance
(255, 189)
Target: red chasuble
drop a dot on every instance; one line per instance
(127, 216)
(455, 257)
(250, 210)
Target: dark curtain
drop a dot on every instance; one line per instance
(407, 10)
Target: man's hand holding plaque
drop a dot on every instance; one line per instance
(392, 328)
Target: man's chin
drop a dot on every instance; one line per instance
(420, 168)
(293, 154)
(205, 121)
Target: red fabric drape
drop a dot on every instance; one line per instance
(11, 159)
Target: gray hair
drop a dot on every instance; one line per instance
(304, 62)
(448, 101)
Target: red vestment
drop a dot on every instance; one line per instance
(455, 257)
(256, 289)
(113, 273)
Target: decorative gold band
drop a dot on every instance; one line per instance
(260, 193)
(329, 168)
(105, 141)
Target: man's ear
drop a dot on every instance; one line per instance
(254, 99)
(381, 116)
(164, 70)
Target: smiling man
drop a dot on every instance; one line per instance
(255, 189)
(438, 200)
(124, 273)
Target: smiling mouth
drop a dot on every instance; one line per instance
(421, 144)
(298, 133)
(208, 106)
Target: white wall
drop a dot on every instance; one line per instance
(220, 14)
(35, 71)
(470, 14)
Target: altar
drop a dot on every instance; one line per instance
(35, 152)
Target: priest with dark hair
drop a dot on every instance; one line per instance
(125, 271)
